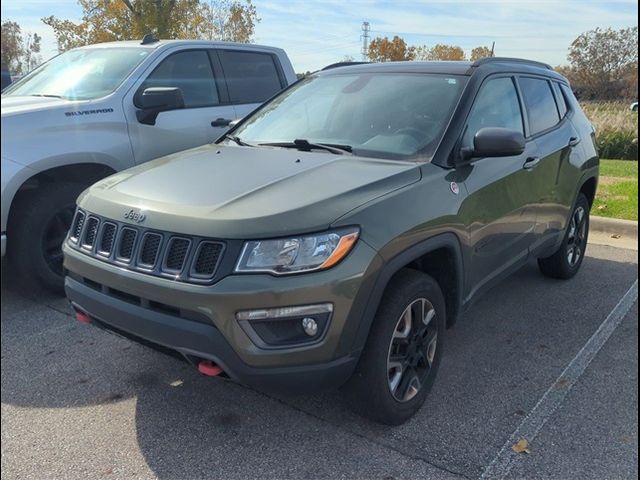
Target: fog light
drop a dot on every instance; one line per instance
(310, 326)
(286, 326)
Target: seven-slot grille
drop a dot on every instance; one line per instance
(163, 254)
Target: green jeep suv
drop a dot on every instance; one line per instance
(332, 236)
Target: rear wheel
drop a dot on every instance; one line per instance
(401, 358)
(37, 227)
(566, 262)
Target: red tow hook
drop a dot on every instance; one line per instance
(83, 317)
(208, 368)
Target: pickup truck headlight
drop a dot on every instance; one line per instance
(297, 254)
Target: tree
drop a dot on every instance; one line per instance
(232, 20)
(480, 52)
(385, 50)
(20, 53)
(440, 52)
(603, 63)
(110, 20)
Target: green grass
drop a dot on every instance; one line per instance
(617, 195)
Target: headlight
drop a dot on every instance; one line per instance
(297, 254)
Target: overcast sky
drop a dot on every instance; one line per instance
(316, 33)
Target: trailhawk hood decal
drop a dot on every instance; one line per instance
(243, 192)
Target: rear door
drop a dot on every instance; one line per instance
(193, 72)
(251, 78)
(555, 139)
(501, 218)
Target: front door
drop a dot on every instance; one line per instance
(175, 130)
(499, 202)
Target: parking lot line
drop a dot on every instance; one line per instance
(555, 394)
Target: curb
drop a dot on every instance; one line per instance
(614, 226)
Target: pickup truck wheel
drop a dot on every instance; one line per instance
(566, 262)
(401, 358)
(37, 227)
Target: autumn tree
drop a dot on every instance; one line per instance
(232, 20)
(603, 63)
(110, 20)
(480, 52)
(385, 50)
(20, 52)
(440, 52)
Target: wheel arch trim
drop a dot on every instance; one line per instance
(389, 268)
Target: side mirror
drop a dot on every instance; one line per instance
(158, 99)
(495, 142)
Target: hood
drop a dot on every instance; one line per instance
(27, 104)
(244, 192)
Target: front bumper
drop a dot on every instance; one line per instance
(198, 341)
(214, 333)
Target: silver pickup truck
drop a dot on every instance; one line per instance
(96, 110)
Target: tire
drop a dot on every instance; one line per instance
(564, 264)
(370, 391)
(37, 227)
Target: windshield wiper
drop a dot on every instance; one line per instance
(238, 140)
(45, 95)
(305, 145)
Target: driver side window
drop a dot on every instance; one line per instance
(496, 105)
(190, 71)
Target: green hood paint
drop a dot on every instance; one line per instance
(242, 192)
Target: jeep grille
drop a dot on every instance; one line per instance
(162, 254)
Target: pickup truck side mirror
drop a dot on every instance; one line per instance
(158, 99)
(495, 142)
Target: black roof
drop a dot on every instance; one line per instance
(486, 65)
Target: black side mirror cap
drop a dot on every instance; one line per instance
(495, 142)
(158, 99)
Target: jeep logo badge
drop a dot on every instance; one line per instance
(135, 216)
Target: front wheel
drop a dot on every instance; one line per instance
(401, 358)
(566, 262)
(37, 227)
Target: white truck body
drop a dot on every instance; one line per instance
(41, 134)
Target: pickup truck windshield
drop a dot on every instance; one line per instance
(82, 74)
(386, 115)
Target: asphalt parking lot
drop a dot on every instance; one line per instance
(524, 362)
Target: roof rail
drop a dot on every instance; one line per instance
(533, 63)
(149, 38)
(342, 64)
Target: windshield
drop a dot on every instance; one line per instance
(82, 74)
(382, 115)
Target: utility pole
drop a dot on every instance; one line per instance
(365, 41)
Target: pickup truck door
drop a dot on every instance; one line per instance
(499, 202)
(252, 77)
(204, 118)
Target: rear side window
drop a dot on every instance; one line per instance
(251, 77)
(541, 106)
(191, 72)
(496, 105)
(562, 103)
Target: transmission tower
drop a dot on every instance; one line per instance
(366, 28)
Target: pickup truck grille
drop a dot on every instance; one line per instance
(163, 254)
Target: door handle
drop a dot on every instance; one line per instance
(221, 122)
(573, 141)
(531, 162)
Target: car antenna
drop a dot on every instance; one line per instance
(149, 38)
